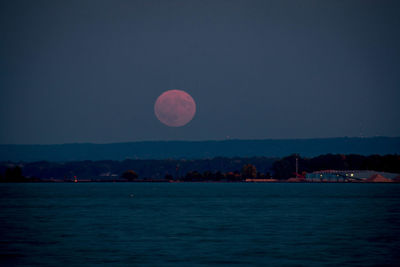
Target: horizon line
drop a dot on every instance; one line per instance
(199, 141)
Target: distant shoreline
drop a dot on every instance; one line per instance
(157, 150)
(206, 182)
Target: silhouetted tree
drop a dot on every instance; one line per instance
(168, 177)
(193, 176)
(285, 167)
(208, 175)
(130, 175)
(249, 171)
(13, 174)
(233, 176)
(218, 176)
(230, 176)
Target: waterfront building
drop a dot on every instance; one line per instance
(349, 176)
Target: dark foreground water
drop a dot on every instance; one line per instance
(186, 224)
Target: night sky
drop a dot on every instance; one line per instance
(90, 71)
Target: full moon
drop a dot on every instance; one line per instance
(175, 108)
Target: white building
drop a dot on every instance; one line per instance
(345, 175)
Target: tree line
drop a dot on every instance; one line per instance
(145, 169)
(216, 169)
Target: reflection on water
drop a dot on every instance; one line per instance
(200, 224)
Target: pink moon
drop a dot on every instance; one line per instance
(175, 108)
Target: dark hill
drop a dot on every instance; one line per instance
(200, 149)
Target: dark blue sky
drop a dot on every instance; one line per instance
(90, 71)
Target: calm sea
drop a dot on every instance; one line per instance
(185, 224)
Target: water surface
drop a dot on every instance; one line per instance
(184, 224)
